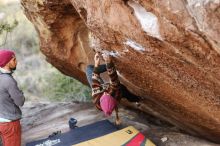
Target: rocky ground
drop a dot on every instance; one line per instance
(42, 119)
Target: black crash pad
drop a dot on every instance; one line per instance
(77, 135)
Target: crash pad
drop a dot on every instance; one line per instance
(126, 137)
(77, 135)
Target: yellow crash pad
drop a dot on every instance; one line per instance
(126, 137)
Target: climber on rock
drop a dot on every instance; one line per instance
(106, 96)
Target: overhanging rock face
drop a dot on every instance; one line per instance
(166, 51)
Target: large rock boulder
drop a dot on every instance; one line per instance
(165, 51)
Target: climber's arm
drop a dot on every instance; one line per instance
(114, 81)
(96, 83)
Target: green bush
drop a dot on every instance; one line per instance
(63, 88)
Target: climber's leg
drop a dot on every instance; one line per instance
(102, 68)
(89, 71)
(117, 120)
(128, 95)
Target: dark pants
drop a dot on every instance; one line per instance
(124, 91)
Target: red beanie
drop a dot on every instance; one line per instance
(5, 57)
